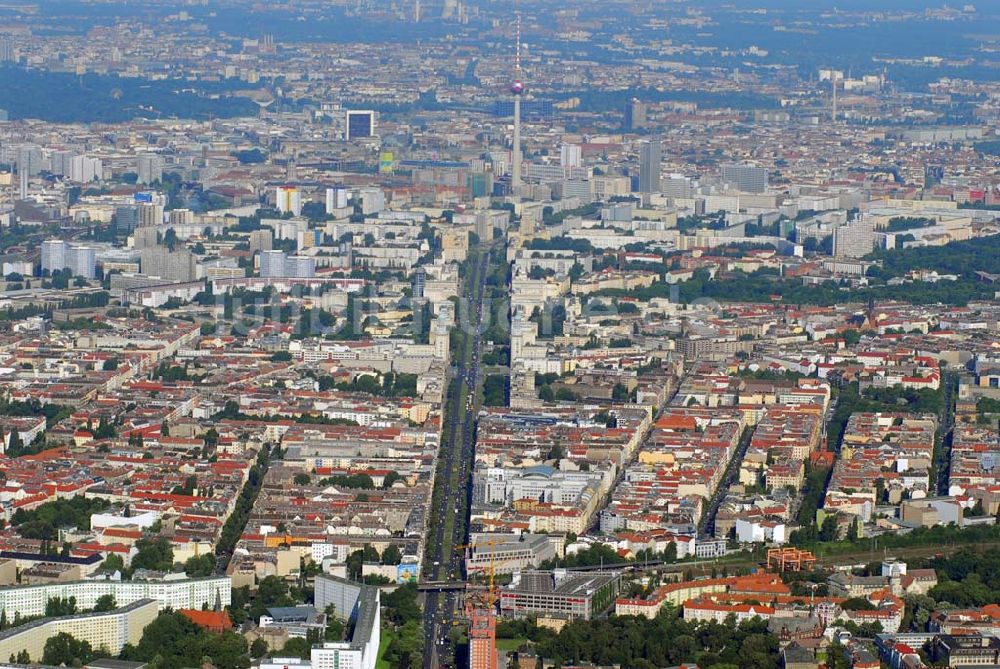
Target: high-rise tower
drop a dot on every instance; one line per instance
(482, 640)
(833, 113)
(649, 166)
(517, 89)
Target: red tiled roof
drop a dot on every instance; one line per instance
(210, 620)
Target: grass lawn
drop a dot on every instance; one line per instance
(388, 634)
(510, 644)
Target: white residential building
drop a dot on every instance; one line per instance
(173, 592)
(110, 630)
(760, 531)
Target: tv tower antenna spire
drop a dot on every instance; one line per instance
(517, 53)
(517, 89)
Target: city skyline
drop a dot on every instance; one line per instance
(504, 335)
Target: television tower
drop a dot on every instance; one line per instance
(517, 90)
(833, 81)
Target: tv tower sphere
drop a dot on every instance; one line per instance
(517, 88)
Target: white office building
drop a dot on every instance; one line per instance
(149, 168)
(272, 264)
(84, 170)
(579, 188)
(747, 178)
(571, 155)
(53, 254)
(58, 255)
(336, 198)
(854, 239)
(352, 602)
(279, 265)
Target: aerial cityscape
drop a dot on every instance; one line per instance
(499, 334)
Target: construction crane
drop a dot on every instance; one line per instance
(490, 570)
